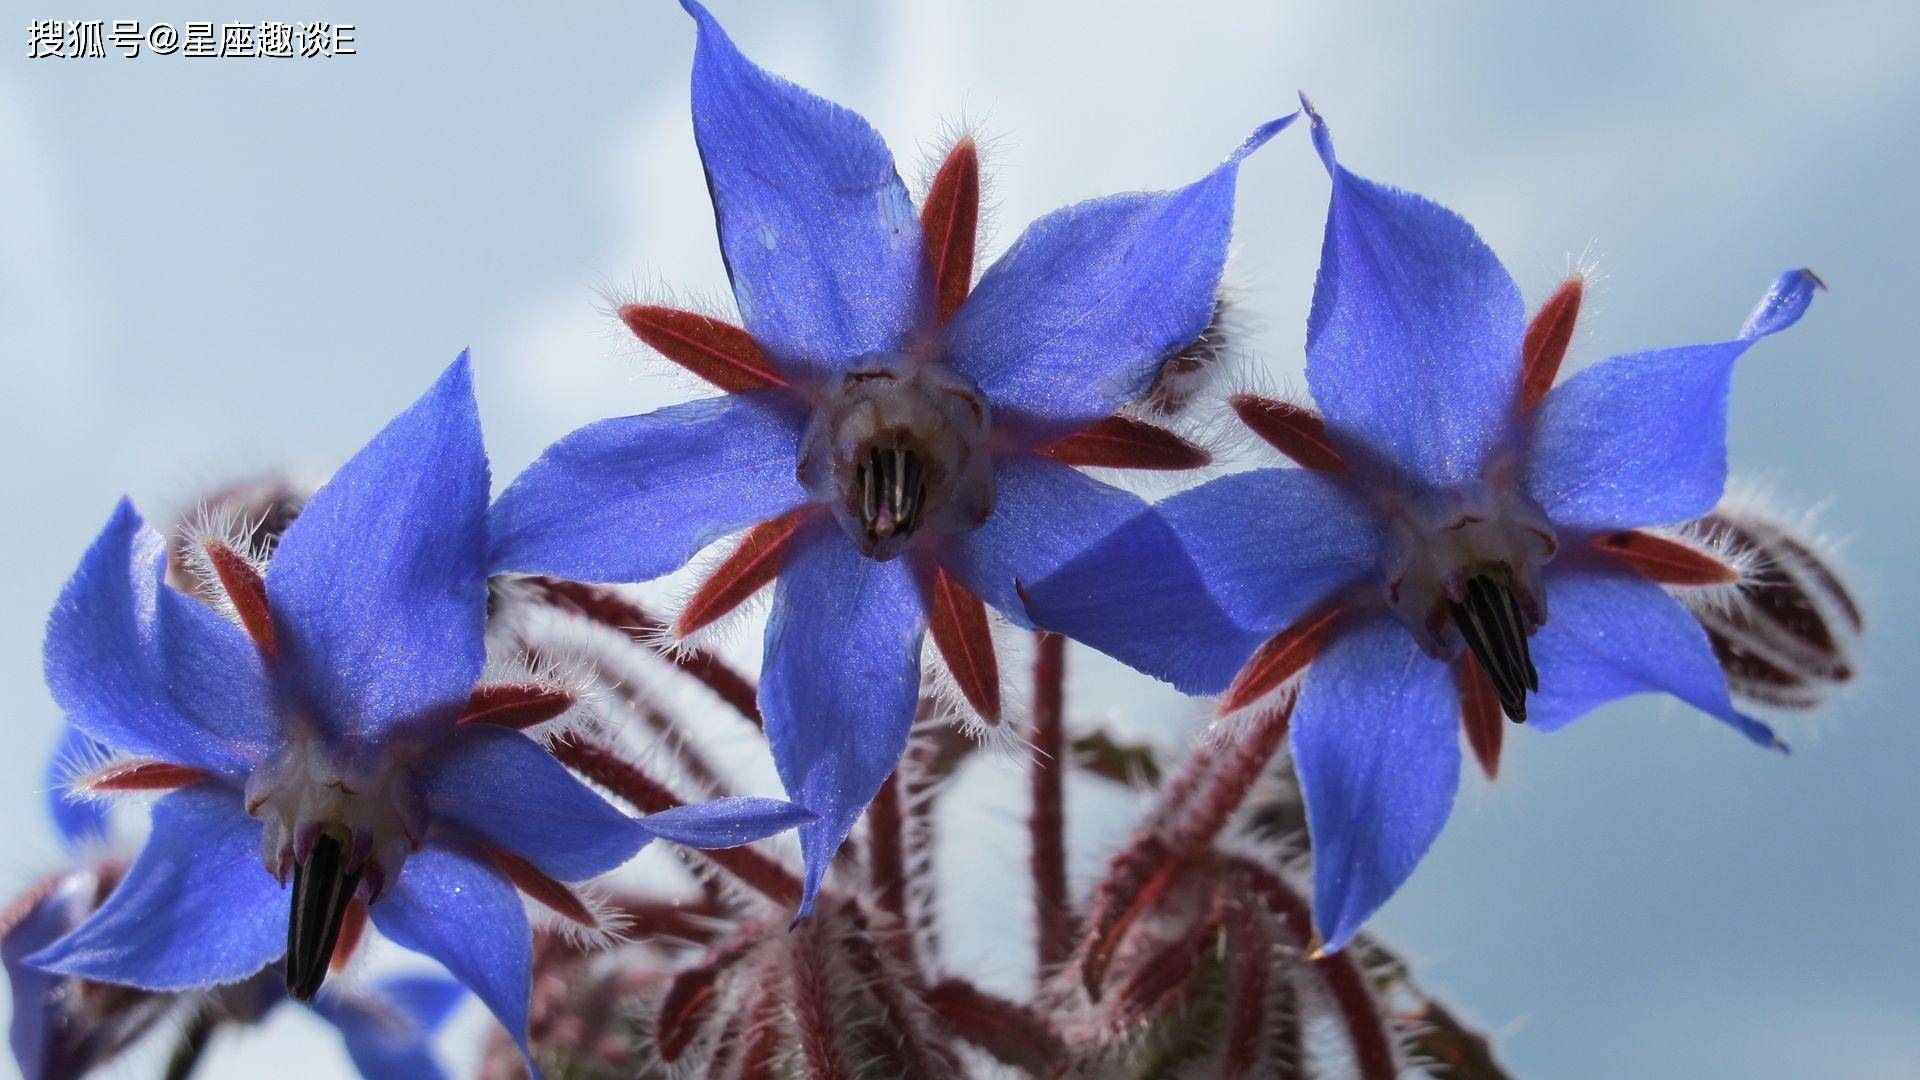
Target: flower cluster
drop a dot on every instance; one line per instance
(392, 702)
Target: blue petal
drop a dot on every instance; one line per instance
(1413, 343)
(1044, 515)
(39, 1008)
(389, 1030)
(1078, 316)
(1136, 596)
(148, 671)
(819, 235)
(1077, 557)
(634, 498)
(1642, 439)
(428, 1001)
(506, 788)
(1611, 634)
(1376, 741)
(725, 823)
(1274, 543)
(196, 909)
(840, 681)
(1188, 592)
(379, 588)
(463, 914)
(1791, 295)
(77, 820)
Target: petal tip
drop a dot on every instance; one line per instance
(1322, 137)
(1784, 304)
(1261, 135)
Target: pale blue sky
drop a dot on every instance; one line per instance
(212, 265)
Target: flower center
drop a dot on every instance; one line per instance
(1463, 567)
(340, 833)
(899, 448)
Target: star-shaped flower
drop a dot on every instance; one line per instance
(897, 439)
(325, 729)
(1464, 537)
(64, 1026)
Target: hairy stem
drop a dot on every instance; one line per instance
(1047, 825)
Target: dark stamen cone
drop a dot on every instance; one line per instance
(892, 491)
(1490, 620)
(322, 891)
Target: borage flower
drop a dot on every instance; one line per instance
(1464, 538)
(899, 444)
(326, 730)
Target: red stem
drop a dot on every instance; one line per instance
(610, 609)
(906, 1022)
(1047, 825)
(611, 770)
(1366, 1028)
(1251, 978)
(813, 1011)
(1227, 787)
(887, 863)
(1009, 1031)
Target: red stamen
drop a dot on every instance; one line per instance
(551, 894)
(353, 929)
(950, 221)
(1047, 825)
(140, 776)
(248, 593)
(1547, 338)
(1282, 658)
(1121, 442)
(752, 567)
(1480, 713)
(1296, 432)
(724, 355)
(958, 621)
(515, 705)
(1668, 562)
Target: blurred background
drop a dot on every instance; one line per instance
(211, 266)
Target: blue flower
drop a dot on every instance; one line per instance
(60, 1029)
(318, 730)
(1462, 540)
(897, 441)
